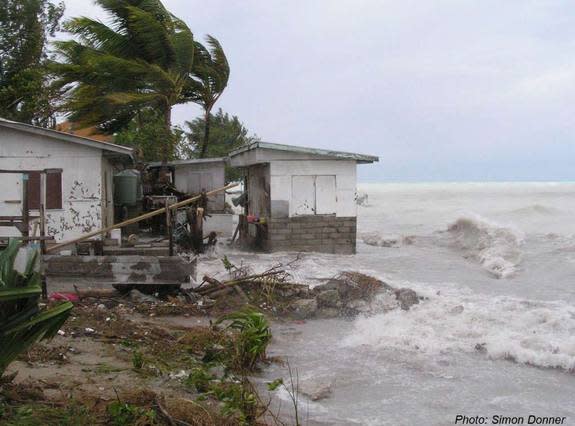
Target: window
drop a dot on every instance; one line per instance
(313, 195)
(53, 190)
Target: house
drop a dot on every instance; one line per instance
(78, 178)
(203, 174)
(300, 199)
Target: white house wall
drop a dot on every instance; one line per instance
(81, 181)
(107, 192)
(281, 184)
(192, 178)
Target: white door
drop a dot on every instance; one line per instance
(325, 195)
(303, 195)
(206, 182)
(10, 200)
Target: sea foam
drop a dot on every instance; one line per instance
(530, 332)
(497, 248)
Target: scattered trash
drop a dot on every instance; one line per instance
(68, 297)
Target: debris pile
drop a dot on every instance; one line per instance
(272, 291)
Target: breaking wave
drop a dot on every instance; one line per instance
(529, 332)
(497, 248)
(379, 240)
(537, 209)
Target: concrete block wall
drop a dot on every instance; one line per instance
(324, 234)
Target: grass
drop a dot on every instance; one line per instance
(34, 414)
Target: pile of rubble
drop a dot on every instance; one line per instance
(350, 294)
(347, 295)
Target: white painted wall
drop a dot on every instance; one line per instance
(81, 181)
(281, 183)
(192, 178)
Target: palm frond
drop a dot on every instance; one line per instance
(22, 324)
(99, 36)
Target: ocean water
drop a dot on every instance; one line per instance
(496, 333)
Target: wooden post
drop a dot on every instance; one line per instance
(169, 227)
(42, 209)
(25, 210)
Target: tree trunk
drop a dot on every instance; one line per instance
(168, 142)
(207, 118)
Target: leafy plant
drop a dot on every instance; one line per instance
(137, 360)
(22, 322)
(200, 379)
(254, 335)
(124, 414)
(238, 399)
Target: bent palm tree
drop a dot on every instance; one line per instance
(142, 60)
(22, 323)
(211, 73)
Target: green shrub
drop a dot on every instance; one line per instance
(253, 337)
(124, 414)
(137, 360)
(22, 322)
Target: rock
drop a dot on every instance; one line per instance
(456, 310)
(328, 313)
(353, 286)
(316, 391)
(206, 302)
(217, 371)
(407, 298)
(304, 308)
(139, 297)
(360, 306)
(387, 302)
(329, 298)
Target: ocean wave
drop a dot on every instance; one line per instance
(380, 240)
(536, 333)
(537, 209)
(497, 248)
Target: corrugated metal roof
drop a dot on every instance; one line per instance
(360, 158)
(66, 137)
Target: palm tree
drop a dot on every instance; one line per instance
(211, 75)
(143, 59)
(22, 323)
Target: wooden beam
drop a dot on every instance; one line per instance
(30, 171)
(25, 227)
(39, 238)
(137, 219)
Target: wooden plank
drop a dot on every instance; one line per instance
(137, 219)
(40, 238)
(25, 228)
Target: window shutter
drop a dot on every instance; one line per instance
(54, 190)
(33, 189)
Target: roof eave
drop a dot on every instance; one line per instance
(360, 158)
(55, 134)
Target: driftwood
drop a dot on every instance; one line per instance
(216, 286)
(96, 292)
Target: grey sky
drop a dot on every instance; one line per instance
(439, 89)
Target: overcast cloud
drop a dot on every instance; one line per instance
(439, 89)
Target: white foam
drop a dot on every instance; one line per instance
(496, 247)
(530, 332)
